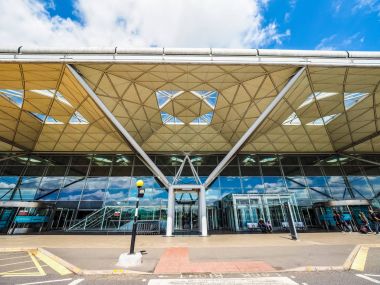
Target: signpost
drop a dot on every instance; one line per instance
(133, 259)
(140, 194)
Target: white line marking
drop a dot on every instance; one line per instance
(373, 275)
(44, 282)
(16, 263)
(226, 281)
(368, 278)
(75, 282)
(14, 257)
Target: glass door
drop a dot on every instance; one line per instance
(186, 212)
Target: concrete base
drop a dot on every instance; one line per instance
(129, 260)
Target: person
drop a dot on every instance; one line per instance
(375, 218)
(364, 227)
(269, 226)
(263, 226)
(340, 223)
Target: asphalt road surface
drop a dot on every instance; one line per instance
(370, 275)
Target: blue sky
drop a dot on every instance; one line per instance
(294, 24)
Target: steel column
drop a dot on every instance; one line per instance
(123, 132)
(256, 124)
(170, 213)
(203, 212)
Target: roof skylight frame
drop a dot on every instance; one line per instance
(168, 119)
(45, 119)
(353, 98)
(165, 96)
(204, 120)
(15, 96)
(52, 93)
(78, 119)
(313, 97)
(323, 121)
(210, 97)
(292, 120)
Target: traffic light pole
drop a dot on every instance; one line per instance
(134, 228)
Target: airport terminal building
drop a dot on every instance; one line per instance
(221, 138)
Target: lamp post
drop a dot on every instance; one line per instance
(140, 194)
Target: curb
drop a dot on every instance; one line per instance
(61, 261)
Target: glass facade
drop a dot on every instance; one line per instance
(87, 182)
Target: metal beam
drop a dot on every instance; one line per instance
(122, 131)
(12, 143)
(361, 159)
(248, 134)
(362, 140)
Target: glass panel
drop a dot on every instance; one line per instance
(95, 188)
(49, 188)
(72, 188)
(360, 187)
(252, 185)
(274, 184)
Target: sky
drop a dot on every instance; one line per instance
(293, 24)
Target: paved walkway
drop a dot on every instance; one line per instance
(186, 254)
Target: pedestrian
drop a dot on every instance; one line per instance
(340, 223)
(375, 219)
(364, 227)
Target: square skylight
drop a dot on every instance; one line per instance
(168, 119)
(210, 97)
(203, 120)
(164, 96)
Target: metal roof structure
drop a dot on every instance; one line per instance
(188, 100)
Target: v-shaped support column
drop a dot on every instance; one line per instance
(253, 128)
(122, 131)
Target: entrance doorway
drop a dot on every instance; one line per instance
(186, 212)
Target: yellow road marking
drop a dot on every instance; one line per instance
(37, 264)
(53, 264)
(17, 270)
(360, 259)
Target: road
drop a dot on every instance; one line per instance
(32, 275)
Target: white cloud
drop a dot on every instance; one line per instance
(369, 6)
(334, 42)
(140, 23)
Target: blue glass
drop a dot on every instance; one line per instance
(5, 194)
(116, 194)
(8, 182)
(274, 184)
(119, 182)
(25, 194)
(252, 184)
(230, 182)
(72, 189)
(316, 181)
(213, 194)
(340, 193)
(187, 180)
(319, 193)
(374, 181)
(95, 188)
(295, 182)
(360, 187)
(30, 182)
(50, 185)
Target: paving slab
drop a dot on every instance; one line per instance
(105, 258)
